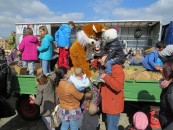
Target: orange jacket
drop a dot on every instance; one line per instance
(112, 91)
(69, 96)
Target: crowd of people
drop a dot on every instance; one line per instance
(80, 100)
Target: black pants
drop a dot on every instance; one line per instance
(53, 63)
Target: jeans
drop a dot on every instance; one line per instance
(31, 66)
(46, 66)
(112, 121)
(108, 69)
(47, 120)
(72, 124)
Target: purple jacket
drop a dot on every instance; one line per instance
(28, 47)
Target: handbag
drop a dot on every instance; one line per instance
(55, 119)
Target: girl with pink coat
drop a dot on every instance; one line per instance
(28, 47)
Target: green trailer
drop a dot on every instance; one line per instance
(135, 91)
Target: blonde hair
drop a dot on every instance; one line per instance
(44, 28)
(28, 31)
(138, 55)
(41, 79)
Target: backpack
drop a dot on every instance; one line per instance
(11, 40)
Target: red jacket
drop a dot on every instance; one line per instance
(112, 91)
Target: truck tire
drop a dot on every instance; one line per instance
(26, 110)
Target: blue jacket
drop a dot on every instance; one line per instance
(150, 60)
(62, 36)
(46, 48)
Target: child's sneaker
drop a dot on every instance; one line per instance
(47, 74)
(102, 80)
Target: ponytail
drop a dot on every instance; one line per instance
(60, 74)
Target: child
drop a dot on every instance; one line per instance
(79, 79)
(115, 49)
(90, 109)
(28, 48)
(140, 122)
(39, 39)
(45, 97)
(62, 38)
(137, 58)
(89, 104)
(45, 49)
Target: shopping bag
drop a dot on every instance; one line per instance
(55, 120)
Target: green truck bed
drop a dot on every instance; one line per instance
(135, 90)
(142, 90)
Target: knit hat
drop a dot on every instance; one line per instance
(140, 121)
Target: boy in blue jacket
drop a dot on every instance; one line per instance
(62, 38)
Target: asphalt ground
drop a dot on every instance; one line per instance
(17, 123)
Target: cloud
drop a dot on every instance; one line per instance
(161, 9)
(24, 11)
(20, 11)
(104, 6)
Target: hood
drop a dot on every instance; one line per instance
(64, 26)
(149, 50)
(31, 38)
(41, 87)
(49, 37)
(110, 35)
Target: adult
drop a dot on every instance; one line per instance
(69, 97)
(112, 92)
(62, 38)
(2, 53)
(165, 52)
(166, 97)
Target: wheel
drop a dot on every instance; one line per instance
(26, 110)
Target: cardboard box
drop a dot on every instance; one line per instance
(40, 70)
(20, 70)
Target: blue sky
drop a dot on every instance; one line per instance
(24, 11)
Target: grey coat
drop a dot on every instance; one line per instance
(45, 98)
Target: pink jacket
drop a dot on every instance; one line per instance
(28, 47)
